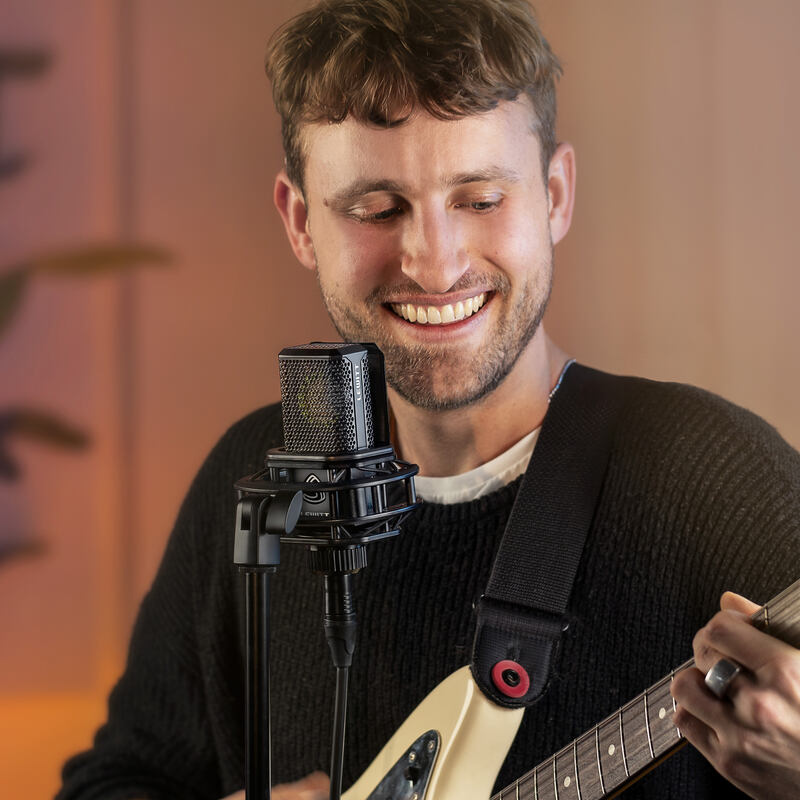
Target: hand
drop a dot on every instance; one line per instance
(752, 736)
(313, 787)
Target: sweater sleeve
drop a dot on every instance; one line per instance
(161, 736)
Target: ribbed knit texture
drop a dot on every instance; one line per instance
(700, 496)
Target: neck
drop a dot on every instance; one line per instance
(453, 442)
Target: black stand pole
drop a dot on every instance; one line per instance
(260, 522)
(258, 771)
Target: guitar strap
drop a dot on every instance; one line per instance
(522, 614)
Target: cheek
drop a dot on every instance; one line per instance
(356, 256)
(515, 244)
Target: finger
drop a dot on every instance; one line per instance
(690, 692)
(696, 732)
(317, 780)
(728, 634)
(730, 601)
(312, 787)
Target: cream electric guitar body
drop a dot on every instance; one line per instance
(453, 744)
(454, 726)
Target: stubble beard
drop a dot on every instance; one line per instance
(440, 377)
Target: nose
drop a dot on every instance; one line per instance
(434, 253)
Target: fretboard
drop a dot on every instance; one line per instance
(635, 738)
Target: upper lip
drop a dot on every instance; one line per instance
(438, 299)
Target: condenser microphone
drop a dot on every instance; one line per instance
(337, 450)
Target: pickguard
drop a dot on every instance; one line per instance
(409, 777)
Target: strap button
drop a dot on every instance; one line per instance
(510, 678)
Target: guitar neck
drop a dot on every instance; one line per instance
(637, 737)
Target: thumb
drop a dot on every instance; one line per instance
(730, 601)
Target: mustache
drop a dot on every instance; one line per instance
(409, 289)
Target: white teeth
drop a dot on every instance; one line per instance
(440, 315)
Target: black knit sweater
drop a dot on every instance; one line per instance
(700, 496)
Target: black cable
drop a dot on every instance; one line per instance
(337, 738)
(339, 622)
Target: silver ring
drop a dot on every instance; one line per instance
(720, 677)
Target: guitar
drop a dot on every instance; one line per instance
(454, 743)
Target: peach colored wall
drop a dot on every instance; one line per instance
(155, 123)
(680, 264)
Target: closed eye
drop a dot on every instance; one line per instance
(380, 216)
(481, 206)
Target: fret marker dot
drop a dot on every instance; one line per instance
(567, 781)
(662, 712)
(611, 749)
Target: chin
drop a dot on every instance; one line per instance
(421, 390)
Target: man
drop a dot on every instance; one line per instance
(425, 188)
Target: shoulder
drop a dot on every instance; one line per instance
(657, 423)
(674, 420)
(697, 478)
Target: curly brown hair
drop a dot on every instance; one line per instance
(379, 60)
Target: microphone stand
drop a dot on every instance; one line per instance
(260, 522)
(361, 498)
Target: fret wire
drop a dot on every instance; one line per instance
(647, 725)
(597, 751)
(672, 678)
(674, 704)
(516, 787)
(536, 784)
(766, 616)
(622, 745)
(555, 777)
(575, 762)
(786, 601)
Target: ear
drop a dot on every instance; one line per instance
(292, 208)
(561, 190)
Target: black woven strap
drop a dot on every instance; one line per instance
(522, 613)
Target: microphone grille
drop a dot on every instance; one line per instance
(324, 397)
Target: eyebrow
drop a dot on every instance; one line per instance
(481, 176)
(362, 187)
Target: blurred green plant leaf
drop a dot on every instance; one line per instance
(38, 426)
(11, 166)
(42, 426)
(27, 62)
(12, 289)
(9, 469)
(98, 258)
(9, 550)
(95, 259)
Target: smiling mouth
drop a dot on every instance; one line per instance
(439, 315)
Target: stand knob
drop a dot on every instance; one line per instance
(330, 560)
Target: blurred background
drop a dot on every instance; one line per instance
(146, 286)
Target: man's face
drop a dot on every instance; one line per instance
(432, 239)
